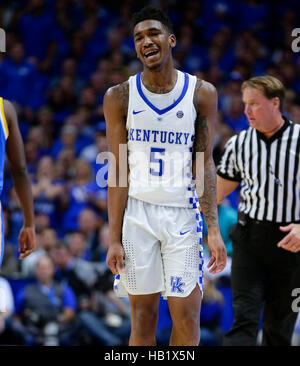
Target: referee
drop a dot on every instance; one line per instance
(265, 161)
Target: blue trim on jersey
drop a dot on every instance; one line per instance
(167, 109)
(194, 201)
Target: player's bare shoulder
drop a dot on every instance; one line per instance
(205, 93)
(116, 98)
(10, 114)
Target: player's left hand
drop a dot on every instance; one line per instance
(26, 241)
(218, 252)
(291, 241)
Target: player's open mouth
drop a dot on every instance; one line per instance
(149, 54)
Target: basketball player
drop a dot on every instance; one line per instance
(165, 117)
(11, 143)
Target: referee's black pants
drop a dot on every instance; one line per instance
(262, 277)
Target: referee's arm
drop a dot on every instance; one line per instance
(228, 174)
(224, 188)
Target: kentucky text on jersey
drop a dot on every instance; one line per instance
(162, 137)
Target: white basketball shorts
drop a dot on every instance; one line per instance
(163, 250)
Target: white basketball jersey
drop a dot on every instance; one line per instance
(161, 130)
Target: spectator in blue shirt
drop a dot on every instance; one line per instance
(68, 139)
(254, 14)
(89, 223)
(231, 89)
(91, 152)
(17, 76)
(38, 29)
(98, 83)
(211, 312)
(38, 136)
(46, 124)
(46, 241)
(82, 276)
(64, 164)
(99, 254)
(59, 105)
(69, 68)
(78, 245)
(46, 305)
(235, 118)
(31, 154)
(48, 191)
(83, 194)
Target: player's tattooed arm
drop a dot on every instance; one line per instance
(201, 129)
(120, 94)
(208, 199)
(205, 101)
(115, 112)
(201, 134)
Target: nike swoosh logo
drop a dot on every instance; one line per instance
(181, 233)
(137, 112)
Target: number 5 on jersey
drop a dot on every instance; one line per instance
(155, 157)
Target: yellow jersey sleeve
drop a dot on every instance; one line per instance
(3, 119)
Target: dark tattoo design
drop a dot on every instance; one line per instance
(201, 129)
(208, 200)
(122, 93)
(201, 134)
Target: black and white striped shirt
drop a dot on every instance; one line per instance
(268, 170)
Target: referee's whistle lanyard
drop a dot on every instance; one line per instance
(277, 180)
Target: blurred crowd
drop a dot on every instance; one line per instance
(61, 56)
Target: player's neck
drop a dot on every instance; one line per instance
(159, 81)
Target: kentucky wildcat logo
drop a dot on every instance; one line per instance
(177, 284)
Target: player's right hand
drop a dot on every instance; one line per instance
(218, 252)
(115, 258)
(26, 241)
